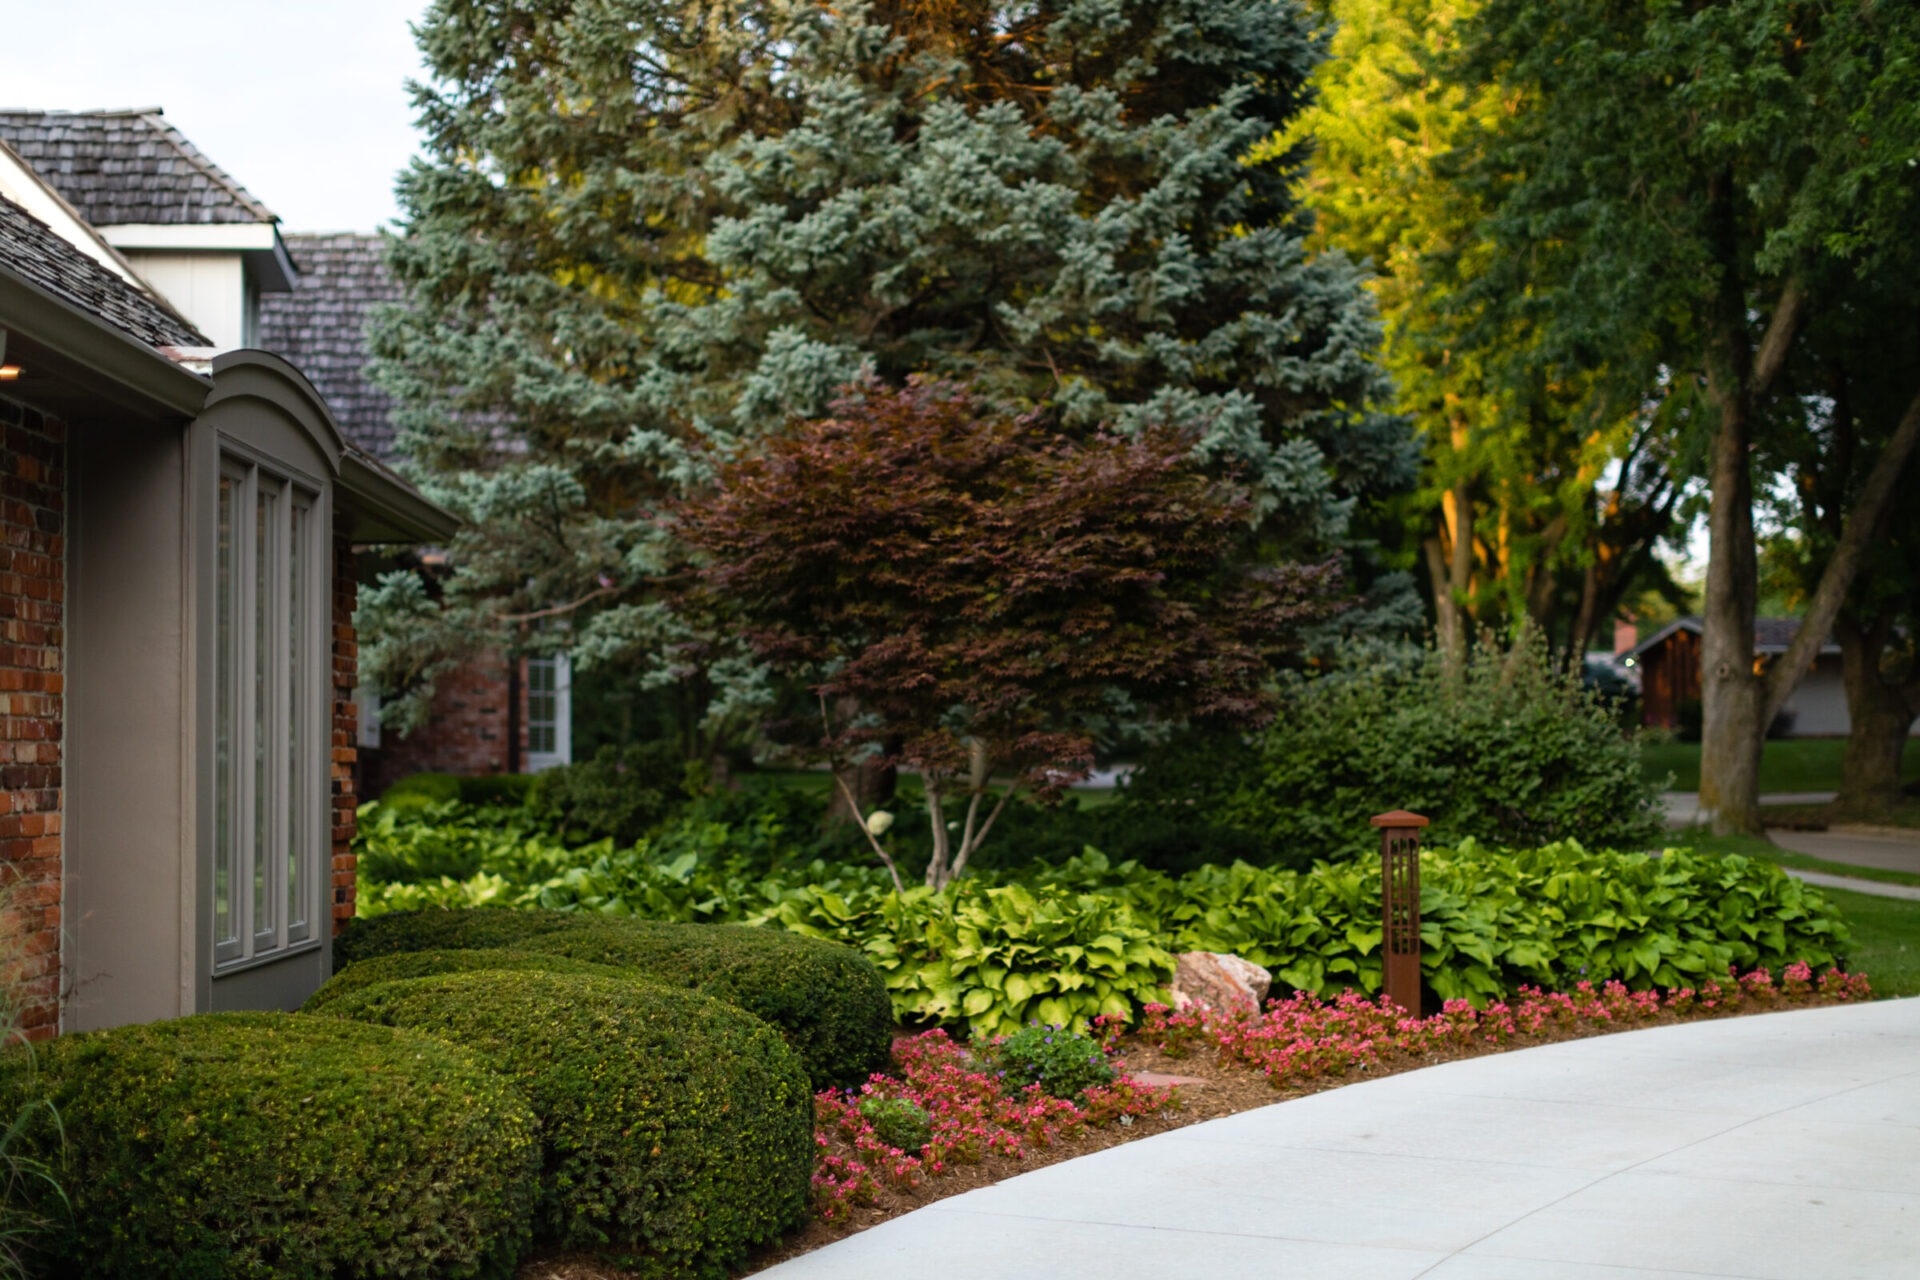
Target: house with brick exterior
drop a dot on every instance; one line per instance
(494, 713)
(180, 516)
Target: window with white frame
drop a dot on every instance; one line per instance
(549, 713)
(271, 731)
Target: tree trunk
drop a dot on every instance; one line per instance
(1880, 714)
(1731, 694)
(1733, 697)
(1450, 566)
(1836, 580)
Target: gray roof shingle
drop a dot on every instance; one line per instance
(321, 327)
(30, 249)
(119, 167)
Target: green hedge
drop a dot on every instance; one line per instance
(827, 1000)
(403, 965)
(678, 1130)
(484, 928)
(276, 1145)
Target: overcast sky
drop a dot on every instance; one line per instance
(303, 101)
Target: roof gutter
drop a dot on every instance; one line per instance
(384, 508)
(132, 374)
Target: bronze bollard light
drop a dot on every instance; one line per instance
(1400, 906)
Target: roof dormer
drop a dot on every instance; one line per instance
(192, 233)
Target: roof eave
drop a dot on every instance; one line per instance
(131, 374)
(380, 507)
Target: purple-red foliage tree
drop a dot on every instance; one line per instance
(985, 591)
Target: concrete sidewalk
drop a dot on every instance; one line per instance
(1784, 1146)
(1885, 847)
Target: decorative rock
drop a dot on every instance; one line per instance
(1213, 980)
(1161, 1080)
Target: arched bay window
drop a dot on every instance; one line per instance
(270, 731)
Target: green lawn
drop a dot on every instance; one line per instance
(1886, 940)
(1789, 764)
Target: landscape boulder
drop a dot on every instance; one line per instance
(1218, 981)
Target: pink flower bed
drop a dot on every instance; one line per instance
(973, 1115)
(1298, 1040)
(1307, 1038)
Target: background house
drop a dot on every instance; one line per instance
(493, 714)
(1669, 665)
(178, 524)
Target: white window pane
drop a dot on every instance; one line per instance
(265, 707)
(298, 837)
(226, 925)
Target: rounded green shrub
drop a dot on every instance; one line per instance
(276, 1145)
(461, 929)
(622, 793)
(678, 1131)
(1062, 1063)
(898, 1122)
(402, 965)
(828, 1000)
(1510, 749)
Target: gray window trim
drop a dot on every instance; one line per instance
(277, 806)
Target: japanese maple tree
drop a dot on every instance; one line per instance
(986, 590)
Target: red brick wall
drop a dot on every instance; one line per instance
(346, 662)
(32, 619)
(467, 729)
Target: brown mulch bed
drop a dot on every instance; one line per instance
(1228, 1089)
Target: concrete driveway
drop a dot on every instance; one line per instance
(1783, 1146)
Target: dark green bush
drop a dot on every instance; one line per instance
(678, 1131)
(1511, 751)
(623, 793)
(467, 929)
(899, 1122)
(503, 789)
(826, 999)
(402, 965)
(1062, 1063)
(276, 1145)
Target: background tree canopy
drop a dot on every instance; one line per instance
(643, 225)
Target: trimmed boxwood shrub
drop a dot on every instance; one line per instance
(403, 965)
(466, 929)
(276, 1145)
(827, 1000)
(678, 1131)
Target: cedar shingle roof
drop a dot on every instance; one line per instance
(120, 167)
(30, 249)
(321, 327)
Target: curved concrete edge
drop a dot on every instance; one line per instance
(1780, 1146)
